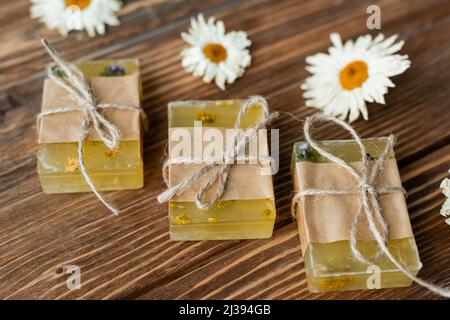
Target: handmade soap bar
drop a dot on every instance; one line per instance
(115, 82)
(324, 221)
(247, 208)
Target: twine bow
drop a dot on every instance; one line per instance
(73, 80)
(221, 166)
(369, 194)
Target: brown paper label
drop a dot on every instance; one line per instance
(328, 218)
(65, 127)
(245, 181)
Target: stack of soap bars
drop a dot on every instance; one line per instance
(58, 164)
(231, 218)
(331, 266)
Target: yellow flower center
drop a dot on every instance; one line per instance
(354, 75)
(215, 52)
(82, 4)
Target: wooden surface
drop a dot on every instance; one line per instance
(131, 256)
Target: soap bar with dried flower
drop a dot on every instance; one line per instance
(247, 208)
(324, 221)
(113, 81)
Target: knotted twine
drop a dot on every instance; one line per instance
(74, 81)
(369, 195)
(221, 165)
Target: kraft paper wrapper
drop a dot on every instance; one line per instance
(245, 182)
(328, 218)
(65, 127)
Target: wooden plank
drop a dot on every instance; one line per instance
(131, 256)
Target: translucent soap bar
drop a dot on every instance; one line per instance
(58, 164)
(228, 219)
(331, 266)
(59, 169)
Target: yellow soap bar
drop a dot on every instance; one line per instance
(58, 165)
(331, 266)
(228, 219)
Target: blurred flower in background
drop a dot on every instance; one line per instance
(445, 211)
(214, 54)
(67, 15)
(352, 73)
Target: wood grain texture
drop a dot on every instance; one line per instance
(131, 256)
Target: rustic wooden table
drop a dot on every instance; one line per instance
(131, 256)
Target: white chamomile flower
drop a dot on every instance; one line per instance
(67, 15)
(445, 211)
(353, 73)
(214, 54)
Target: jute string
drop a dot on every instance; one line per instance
(220, 166)
(73, 80)
(369, 195)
